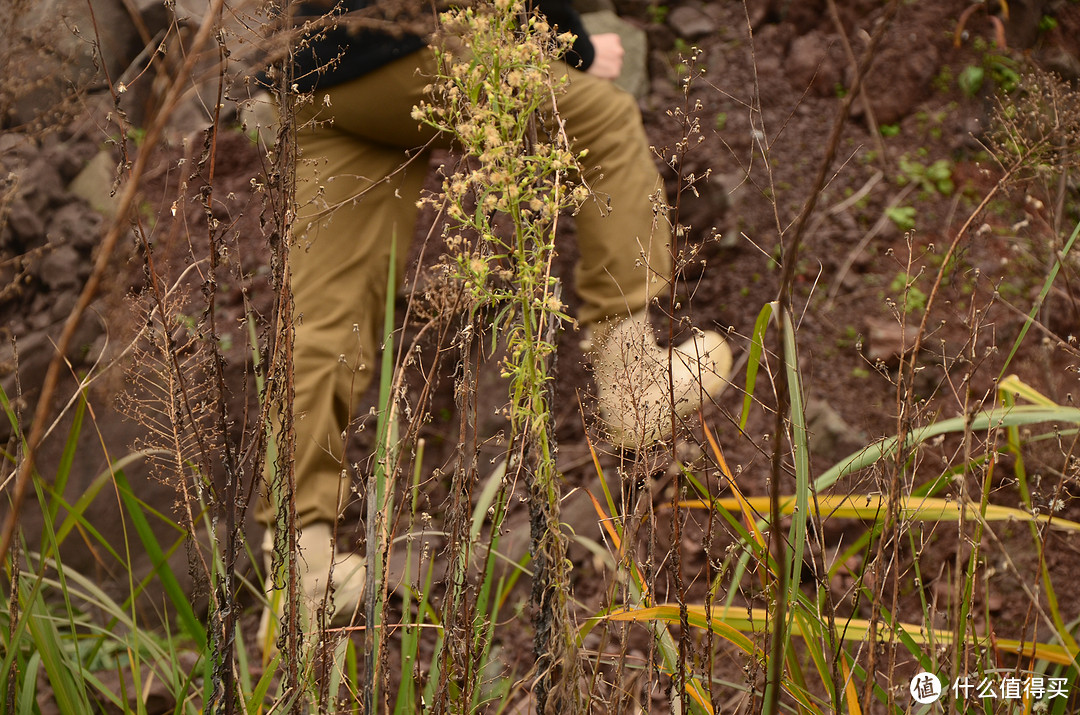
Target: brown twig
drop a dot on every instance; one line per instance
(864, 99)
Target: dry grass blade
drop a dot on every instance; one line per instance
(732, 623)
(872, 507)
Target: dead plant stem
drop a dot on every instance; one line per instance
(690, 128)
(790, 245)
(101, 264)
(864, 99)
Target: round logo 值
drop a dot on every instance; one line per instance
(925, 688)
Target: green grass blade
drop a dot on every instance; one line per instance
(48, 636)
(76, 510)
(800, 446)
(65, 676)
(257, 694)
(987, 419)
(757, 347)
(425, 612)
(13, 419)
(67, 457)
(484, 501)
(27, 700)
(80, 587)
(380, 491)
(15, 638)
(1047, 284)
(814, 627)
(190, 623)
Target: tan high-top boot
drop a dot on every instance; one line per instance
(631, 373)
(317, 555)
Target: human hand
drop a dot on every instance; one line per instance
(608, 57)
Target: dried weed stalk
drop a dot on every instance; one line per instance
(503, 210)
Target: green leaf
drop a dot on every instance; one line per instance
(902, 216)
(191, 624)
(757, 347)
(970, 80)
(29, 686)
(65, 676)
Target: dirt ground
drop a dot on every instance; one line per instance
(765, 90)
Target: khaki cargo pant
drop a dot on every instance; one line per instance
(354, 197)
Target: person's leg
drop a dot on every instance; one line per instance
(357, 197)
(339, 262)
(340, 268)
(623, 234)
(356, 192)
(624, 240)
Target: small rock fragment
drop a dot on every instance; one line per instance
(690, 23)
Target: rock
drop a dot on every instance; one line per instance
(62, 52)
(888, 341)
(14, 145)
(75, 225)
(811, 63)
(899, 79)
(828, 432)
(60, 268)
(118, 38)
(706, 210)
(94, 184)
(8, 276)
(195, 112)
(1061, 61)
(730, 191)
(191, 119)
(70, 157)
(155, 14)
(38, 318)
(63, 305)
(663, 93)
(634, 78)
(717, 61)
(660, 37)
(190, 11)
(801, 16)
(1022, 22)
(40, 185)
(758, 12)
(690, 23)
(25, 224)
(771, 41)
